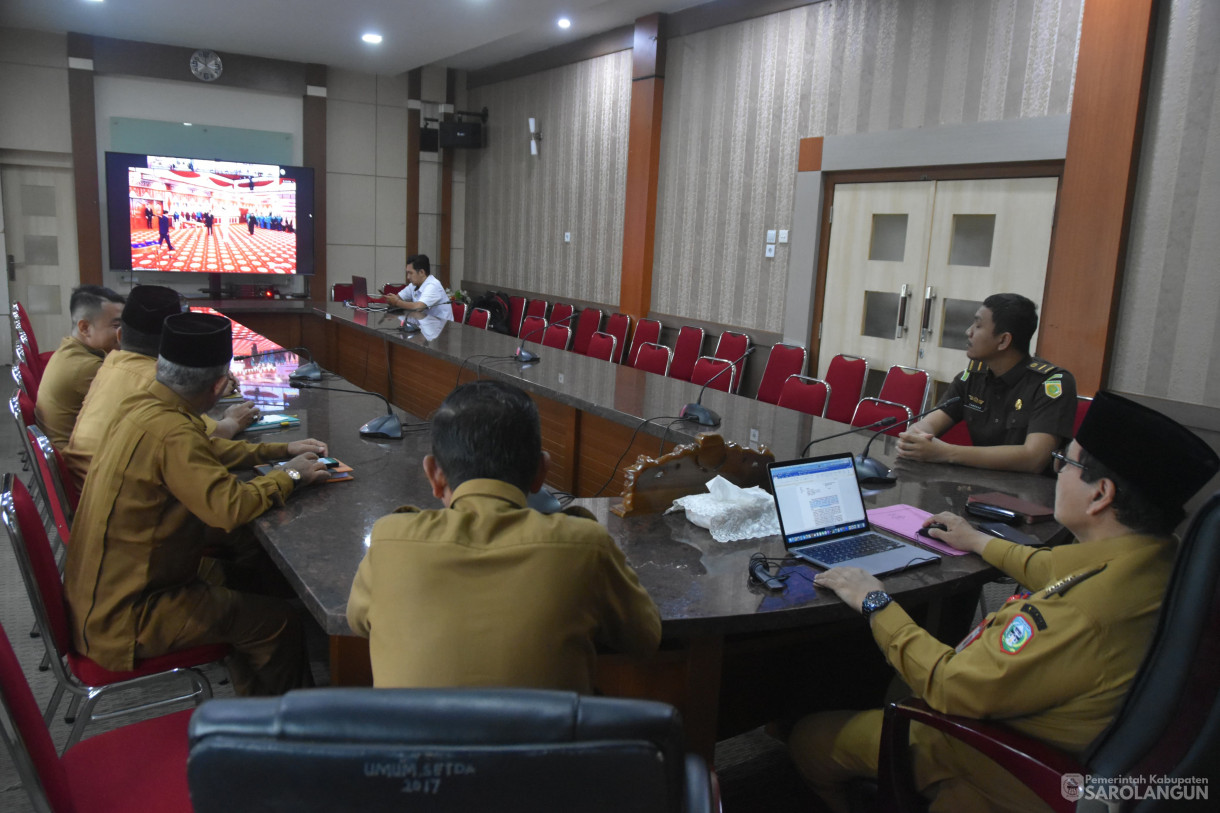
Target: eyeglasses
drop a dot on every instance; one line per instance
(1059, 459)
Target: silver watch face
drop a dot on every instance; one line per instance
(206, 65)
(293, 473)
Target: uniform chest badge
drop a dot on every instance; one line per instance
(1019, 633)
(1053, 389)
(1017, 405)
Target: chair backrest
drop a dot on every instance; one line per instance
(561, 310)
(783, 361)
(31, 377)
(729, 347)
(516, 312)
(49, 466)
(37, 564)
(533, 328)
(602, 346)
(845, 375)
(687, 350)
(459, 311)
(1169, 722)
(653, 358)
(804, 394)
(647, 331)
(535, 307)
(32, 749)
(906, 385)
(588, 323)
(557, 336)
(958, 435)
(22, 409)
(479, 317)
(618, 326)
(19, 378)
(22, 320)
(438, 750)
(709, 366)
(1083, 402)
(870, 410)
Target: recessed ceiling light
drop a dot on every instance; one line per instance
(185, 123)
(564, 22)
(372, 39)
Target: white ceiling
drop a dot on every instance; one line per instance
(466, 34)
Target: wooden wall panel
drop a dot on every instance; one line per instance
(316, 335)
(362, 360)
(420, 382)
(559, 432)
(601, 443)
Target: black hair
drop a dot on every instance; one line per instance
(487, 429)
(420, 263)
(1013, 314)
(137, 341)
(87, 300)
(1131, 506)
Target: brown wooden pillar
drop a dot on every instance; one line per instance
(447, 157)
(313, 153)
(643, 163)
(83, 122)
(1099, 174)
(415, 93)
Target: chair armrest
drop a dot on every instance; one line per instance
(1037, 765)
(702, 787)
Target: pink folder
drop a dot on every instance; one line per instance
(905, 521)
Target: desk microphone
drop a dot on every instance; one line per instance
(889, 420)
(384, 426)
(308, 372)
(526, 357)
(697, 412)
(870, 470)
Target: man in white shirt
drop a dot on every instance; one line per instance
(423, 296)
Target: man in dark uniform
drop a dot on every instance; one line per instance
(1017, 408)
(163, 230)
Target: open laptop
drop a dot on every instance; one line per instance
(360, 292)
(822, 518)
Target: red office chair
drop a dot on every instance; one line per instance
(709, 366)
(77, 674)
(479, 317)
(687, 350)
(647, 331)
(906, 385)
(533, 329)
(22, 409)
(516, 312)
(783, 361)
(602, 346)
(557, 336)
(1168, 724)
(804, 394)
(1083, 402)
(958, 435)
(459, 311)
(729, 347)
(141, 766)
(845, 376)
(653, 358)
(618, 326)
(29, 379)
(588, 323)
(560, 311)
(535, 307)
(870, 410)
(21, 322)
(59, 492)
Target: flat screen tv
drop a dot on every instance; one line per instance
(213, 217)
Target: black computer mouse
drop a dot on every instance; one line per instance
(940, 526)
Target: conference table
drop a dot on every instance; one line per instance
(733, 653)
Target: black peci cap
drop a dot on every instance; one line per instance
(197, 340)
(148, 306)
(1158, 456)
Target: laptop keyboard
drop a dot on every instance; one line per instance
(864, 545)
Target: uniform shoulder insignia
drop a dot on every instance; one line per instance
(976, 367)
(1042, 366)
(1061, 587)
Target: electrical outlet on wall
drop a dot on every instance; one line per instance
(770, 250)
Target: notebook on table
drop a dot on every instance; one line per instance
(822, 518)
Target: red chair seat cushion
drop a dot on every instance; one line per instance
(136, 767)
(91, 673)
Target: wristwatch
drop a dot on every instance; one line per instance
(295, 475)
(874, 601)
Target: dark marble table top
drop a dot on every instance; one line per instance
(701, 586)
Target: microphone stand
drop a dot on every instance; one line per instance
(525, 356)
(385, 426)
(871, 470)
(697, 412)
(889, 420)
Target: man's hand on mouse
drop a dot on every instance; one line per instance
(958, 533)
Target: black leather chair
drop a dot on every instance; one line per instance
(442, 750)
(1168, 724)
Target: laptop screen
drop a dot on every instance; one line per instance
(817, 499)
(360, 292)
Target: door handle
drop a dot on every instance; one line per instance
(900, 328)
(925, 320)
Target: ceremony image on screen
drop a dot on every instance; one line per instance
(212, 217)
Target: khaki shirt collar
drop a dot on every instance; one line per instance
(1097, 552)
(99, 353)
(176, 401)
(493, 489)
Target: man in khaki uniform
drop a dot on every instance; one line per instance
(1054, 663)
(157, 493)
(70, 370)
(134, 368)
(486, 591)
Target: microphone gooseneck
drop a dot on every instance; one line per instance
(889, 420)
(697, 412)
(383, 426)
(870, 470)
(525, 356)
